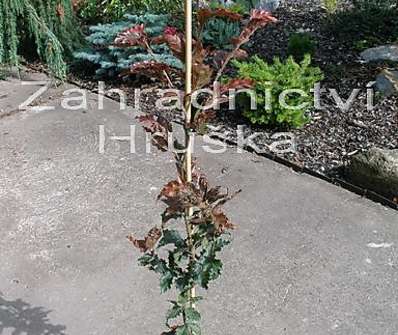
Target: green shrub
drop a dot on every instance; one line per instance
(46, 27)
(299, 45)
(2, 73)
(369, 23)
(245, 6)
(277, 78)
(96, 11)
(330, 5)
(372, 4)
(242, 6)
(110, 60)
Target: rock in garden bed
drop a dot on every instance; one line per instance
(381, 53)
(387, 82)
(375, 170)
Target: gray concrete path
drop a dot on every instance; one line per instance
(308, 258)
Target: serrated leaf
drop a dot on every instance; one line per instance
(192, 315)
(195, 329)
(171, 237)
(220, 243)
(173, 312)
(145, 260)
(160, 266)
(132, 36)
(183, 330)
(166, 280)
(189, 329)
(182, 283)
(149, 242)
(207, 270)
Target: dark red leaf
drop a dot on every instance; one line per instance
(159, 127)
(258, 19)
(152, 69)
(204, 14)
(179, 196)
(149, 242)
(201, 72)
(132, 37)
(236, 84)
(262, 16)
(174, 40)
(221, 221)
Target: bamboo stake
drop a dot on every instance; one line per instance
(188, 118)
(188, 70)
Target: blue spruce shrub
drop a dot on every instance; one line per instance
(219, 32)
(110, 60)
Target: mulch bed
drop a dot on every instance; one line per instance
(333, 136)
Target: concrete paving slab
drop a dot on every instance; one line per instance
(308, 257)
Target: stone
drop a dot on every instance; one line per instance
(387, 82)
(381, 53)
(375, 170)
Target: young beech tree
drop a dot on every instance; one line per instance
(184, 248)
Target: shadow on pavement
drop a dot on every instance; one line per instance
(20, 318)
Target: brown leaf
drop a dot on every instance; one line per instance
(76, 4)
(262, 16)
(221, 221)
(258, 19)
(201, 75)
(159, 127)
(154, 123)
(199, 179)
(236, 84)
(61, 12)
(204, 14)
(172, 330)
(240, 54)
(149, 242)
(151, 69)
(201, 72)
(175, 41)
(214, 194)
(172, 189)
(219, 57)
(179, 196)
(226, 198)
(132, 36)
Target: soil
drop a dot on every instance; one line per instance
(326, 144)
